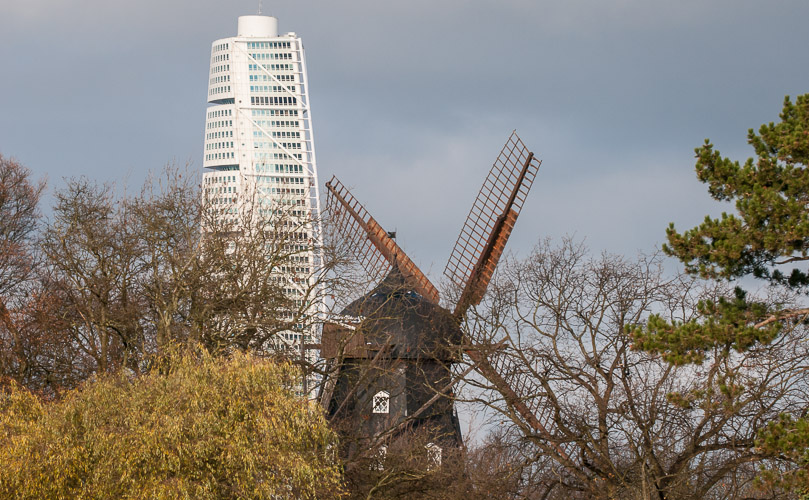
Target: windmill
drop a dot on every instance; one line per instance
(401, 326)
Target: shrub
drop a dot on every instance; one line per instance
(193, 427)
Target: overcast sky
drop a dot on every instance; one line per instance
(413, 100)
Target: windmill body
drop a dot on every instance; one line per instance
(395, 349)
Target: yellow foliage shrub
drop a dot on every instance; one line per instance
(194, 427)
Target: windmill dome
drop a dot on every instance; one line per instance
(394, 314)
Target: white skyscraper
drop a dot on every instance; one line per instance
(259, 147)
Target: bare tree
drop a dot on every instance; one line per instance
(19, 217)
(260, 286)
(123, 276)
(90, 263)
(614, 422)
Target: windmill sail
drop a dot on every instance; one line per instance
(520, 387)
(373, 247)
(490, 221)
(473, 260)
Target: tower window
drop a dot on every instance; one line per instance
(381, 403)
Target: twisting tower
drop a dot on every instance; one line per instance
(259, 148)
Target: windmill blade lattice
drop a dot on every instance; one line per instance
(521, 391)
(369, 242)
(525, 384)
(490, 221)
(340, 204)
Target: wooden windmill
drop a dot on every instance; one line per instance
(401, 326)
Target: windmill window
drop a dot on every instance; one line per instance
(378, 461)
(381, 402)
(433, 456)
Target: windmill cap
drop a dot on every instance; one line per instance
(258, 27)
(394, 314)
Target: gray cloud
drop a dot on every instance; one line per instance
(413, 100)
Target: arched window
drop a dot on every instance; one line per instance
(381, 402)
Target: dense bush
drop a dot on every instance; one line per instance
(193, 427)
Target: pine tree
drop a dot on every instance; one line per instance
(769, 233)
(771, 194)
(766, 239)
